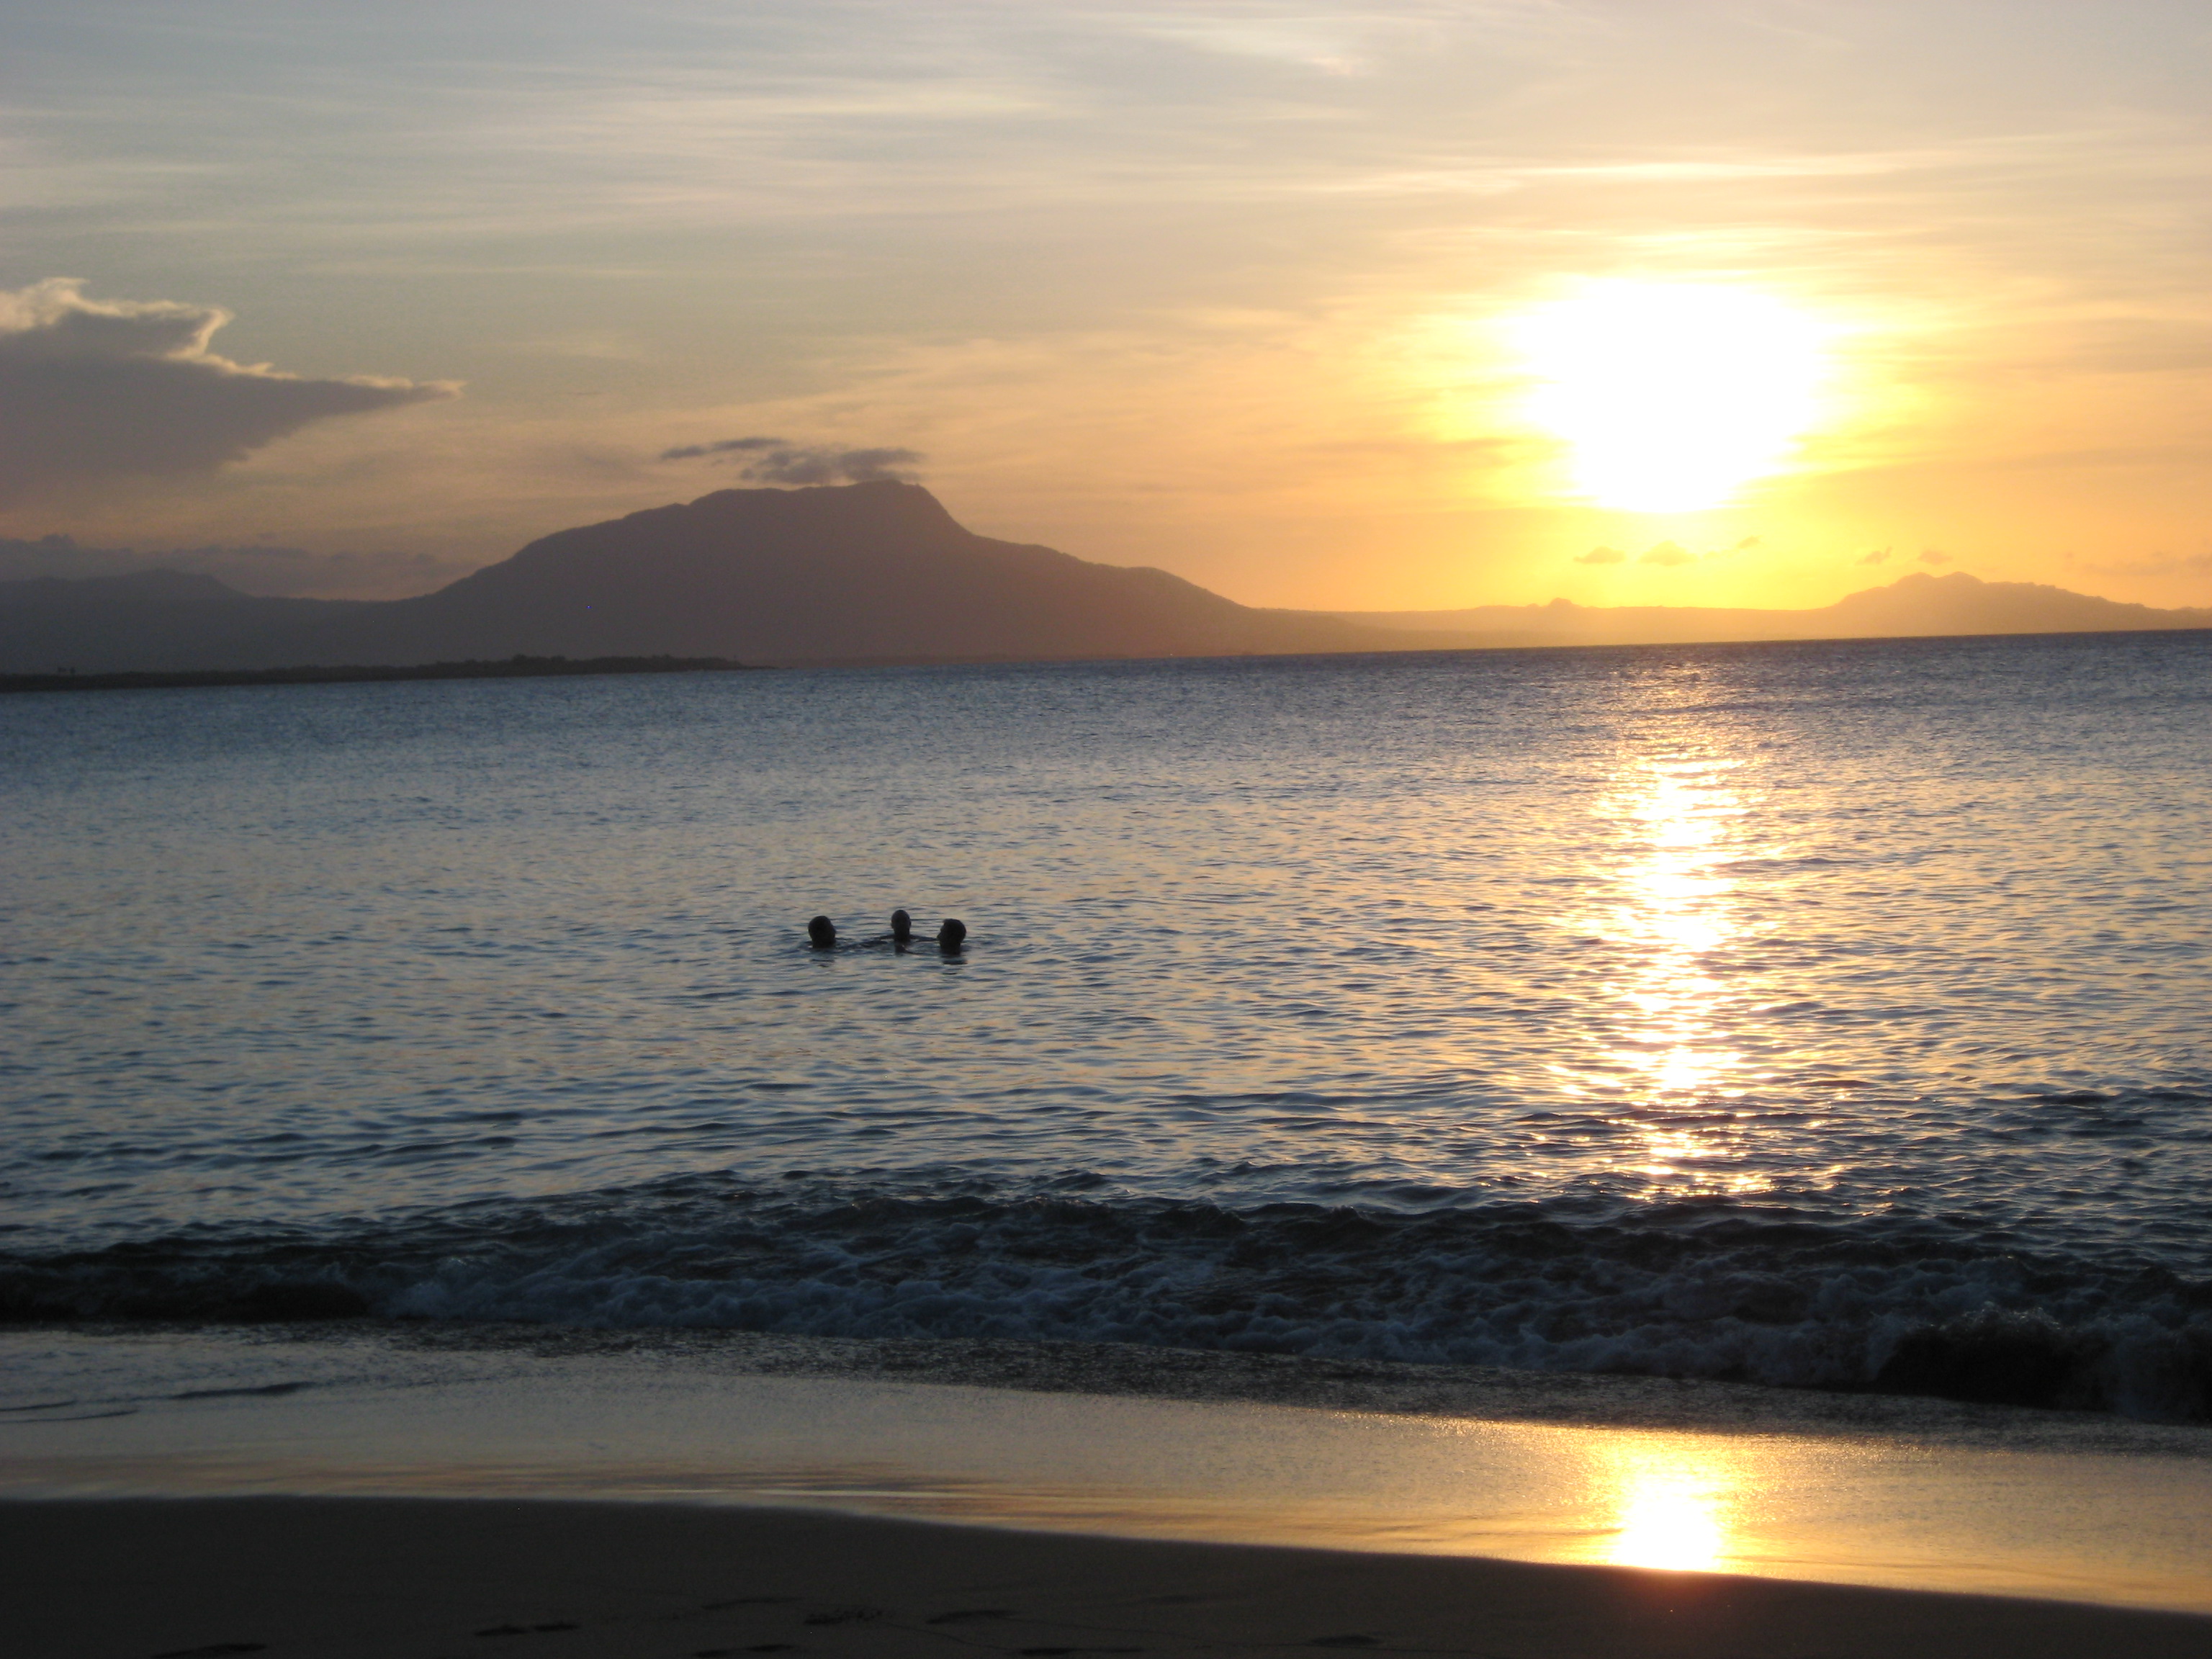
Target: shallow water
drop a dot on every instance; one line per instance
(1819, 1013)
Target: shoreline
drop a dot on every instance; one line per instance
(123, 1579)
(1198, 1375)
(1959, 1500)
(530, 668)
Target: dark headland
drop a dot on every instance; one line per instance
(880, 573)
(511, 668)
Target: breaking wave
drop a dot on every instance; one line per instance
(1706, 1288)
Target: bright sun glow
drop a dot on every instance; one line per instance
(1669, 1518)
(1672, 397)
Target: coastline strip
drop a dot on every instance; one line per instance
(501, 668)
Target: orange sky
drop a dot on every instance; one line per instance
(1395, 306)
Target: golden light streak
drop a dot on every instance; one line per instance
(1669, 1515)
(1679, 820)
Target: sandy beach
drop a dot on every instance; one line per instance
(202, 1493)
(396, 1578)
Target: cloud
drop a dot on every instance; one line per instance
(1929, 556)
(1664, 554)
(93, 390)
(774, 460)
(1879, 556)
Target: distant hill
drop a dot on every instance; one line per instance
(147, 619)
(856, 573)
(880, 573)
(257, 568)
(866, 572)
(1920, 604)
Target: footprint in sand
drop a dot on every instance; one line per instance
(842, 1616)
(496, 1629)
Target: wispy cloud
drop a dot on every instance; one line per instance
(776, 461)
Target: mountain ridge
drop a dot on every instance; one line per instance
(880, 572)
(1917, 605)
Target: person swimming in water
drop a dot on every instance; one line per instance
(952, 934)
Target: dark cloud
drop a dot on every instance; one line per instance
(726, 446)
(1879, 555)
(93, 390)
(1602, 555)
(1666, 553)
(284, 572)
(774, 460)
(1930, 556)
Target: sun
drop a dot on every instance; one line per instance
(1671, 397)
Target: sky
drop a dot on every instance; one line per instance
(1397, 306)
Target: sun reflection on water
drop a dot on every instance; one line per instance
(1670, 1516)
(1680, 821)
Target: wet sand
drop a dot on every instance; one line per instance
(1974, 1503)
(400, 1577)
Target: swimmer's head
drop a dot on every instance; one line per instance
(902, 926)
(822, 932)
(952, 934)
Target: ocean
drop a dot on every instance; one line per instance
(1825, 1015)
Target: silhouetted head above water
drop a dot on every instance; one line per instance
(902, 926)
(822, 932)
(952, 934)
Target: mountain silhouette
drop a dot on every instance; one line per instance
(875, 572)
(868, 572)
(145, 619)
(879, 572)
(1917, 605)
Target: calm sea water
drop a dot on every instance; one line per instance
(1816, 1014)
